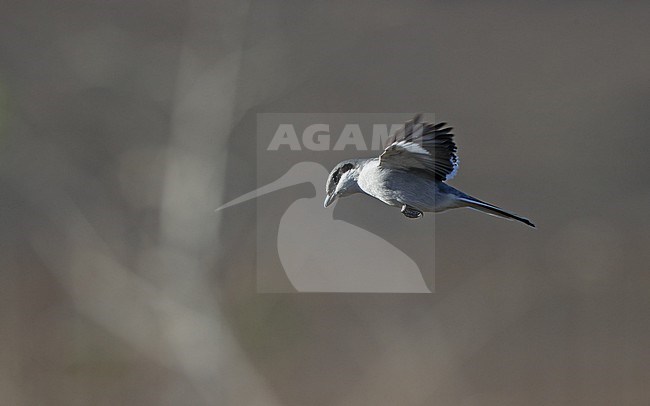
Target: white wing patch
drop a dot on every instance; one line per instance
(412, 147)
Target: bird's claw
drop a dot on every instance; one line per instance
(411, 212)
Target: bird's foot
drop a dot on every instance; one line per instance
(411, 212)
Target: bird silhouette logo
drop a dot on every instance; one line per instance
(323, 254)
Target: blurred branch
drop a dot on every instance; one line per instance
(202, 120)
(179, 325)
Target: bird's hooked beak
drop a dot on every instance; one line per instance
(329, 199)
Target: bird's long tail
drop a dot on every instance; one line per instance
(476, 204)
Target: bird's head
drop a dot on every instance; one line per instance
(342, 181)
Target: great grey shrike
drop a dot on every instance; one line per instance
(410, 174)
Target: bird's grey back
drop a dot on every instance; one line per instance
(397, 187)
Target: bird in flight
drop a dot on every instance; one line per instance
(410, 174)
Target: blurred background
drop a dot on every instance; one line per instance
(123, 124)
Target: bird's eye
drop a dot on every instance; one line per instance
(337, 175)
(346, 168)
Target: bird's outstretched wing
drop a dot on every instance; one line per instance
(422, 147)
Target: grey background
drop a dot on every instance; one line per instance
(125, 123)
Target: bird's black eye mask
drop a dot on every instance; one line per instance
(341, 171)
